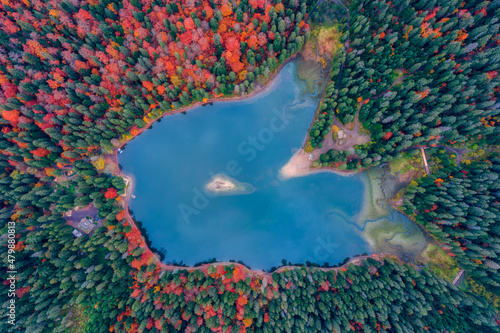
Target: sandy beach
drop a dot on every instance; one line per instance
(300, 165)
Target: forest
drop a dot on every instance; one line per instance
(80, 77)
(460, 207)
(76, 79)
(416, 73)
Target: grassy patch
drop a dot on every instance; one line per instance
(363, 131)
(328, 39)
(404, 164)
(440, 263)
(396, 74)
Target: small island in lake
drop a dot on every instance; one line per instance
(224, 185)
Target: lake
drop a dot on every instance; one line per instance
(309, 218)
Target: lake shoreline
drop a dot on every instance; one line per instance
(112, 158)
(257, 91)
(144, 244)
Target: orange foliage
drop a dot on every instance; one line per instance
(120, 215)
(431, 14)
(12, 116)
(387, 136)
(113, 52)
(464, 13)
(19, 246)
(145, 259)
(241, 301)
(279, 7)
(491, 75)
(209, 11)
(134, 238)
(482, 12)
(22, 291)
(238, 274)
(110, 193)
(134, 130)
(136, 293)
(226, 9)
(427, 31)
(21, 144)
(424, 93)
(462, 35)
(189, 24)
(247, 322)
(148, 85)
(40, 152)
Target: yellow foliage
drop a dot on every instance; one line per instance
(54, 12)
(481, 291)
(242, 75)
(99, 164)
(111, 8)
(279, 7)
(176, 80)
(127, 137)
(410, 28)
(247, 322)
(308, 148)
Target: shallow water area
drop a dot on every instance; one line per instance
(313, 218)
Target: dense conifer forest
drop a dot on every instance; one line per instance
(80, 77)
(460, 207)
(415, 73)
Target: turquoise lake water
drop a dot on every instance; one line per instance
(307, 218)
